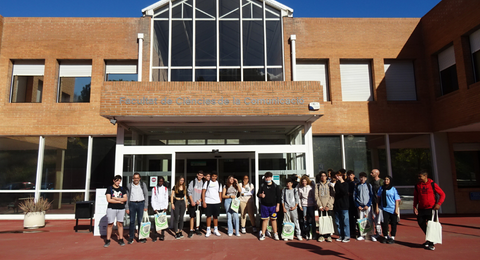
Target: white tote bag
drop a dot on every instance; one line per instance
(325, 224)
(288, 227)
(235, 205)
(434, 229)
(197, 217)
(161, 221)
(144, 227)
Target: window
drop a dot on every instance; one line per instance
(400, 80)
(448, 71)
(75, 80)
(467, 166)
(27, 82)
(475, 48)
(120, 70)
(193, 41)
(314, 71)
(356, 81)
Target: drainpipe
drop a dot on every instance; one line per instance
(293, 38)
(140, 56)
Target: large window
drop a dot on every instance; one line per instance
(27, 82)
(75, 81)
(448, 71)
(222, 40)
(400, 80)
(467, 164)
(356, 80)
(475, 49)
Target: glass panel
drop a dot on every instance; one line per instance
(205, 9)
(467, 167)
(229, 43)
(103, 162)
(254, 75)
(27, 89)
(146, 166)
(272, 13)
(177, 10)
(161, 12)
(364, 153)
(9, 202)
(327, 153)
(196, 141)
(181, 43)
(122, 77)
(160, 44)
(235, 167)
(252, 9)
(62, 202)
(449, 80)
(206, 47)
(206, 75)
(410, 154)
(274, 43)
(230, 75)
(229, 8)
(406, 196)
(187, 9)
(476, 64)
(65, 163)
(253, 52)
(275, 74)
(160, 75)
(18, 161)
(282, 165)
(181, 75)
(73, 90)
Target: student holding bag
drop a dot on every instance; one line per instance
(325, 197)
(247, 204)
(159, 205)
(179, 202)
(230, 194)
(389, 202)
(290, 202)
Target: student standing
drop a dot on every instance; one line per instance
(389, 202)
(229, 194)
(376, 183)
(116, 198)
(341, 207)
(290, 202)
(306, 194)
(363, 195)
(195, 197)
(324, 196)
(178, 200)
(425, 202)
(352, 211)
(247, 204)
(212, 198)
(137, 204)
(159, 203)
(270, 199)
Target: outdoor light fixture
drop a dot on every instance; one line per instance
(215, 150)
(113, 121)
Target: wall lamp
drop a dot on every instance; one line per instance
(113, 121)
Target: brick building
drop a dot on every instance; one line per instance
(241, 88)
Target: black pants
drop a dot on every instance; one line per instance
(178, 214)
(424, 215)
(352, 218)
(392, 219)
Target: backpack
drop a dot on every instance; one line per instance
(435, 194)
(155, 190)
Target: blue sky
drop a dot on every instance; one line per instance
(132, 8)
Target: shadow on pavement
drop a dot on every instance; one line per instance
(408, 244)
(317, 250)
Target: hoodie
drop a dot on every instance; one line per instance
(424, 196)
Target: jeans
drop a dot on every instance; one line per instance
(230, 213)
(343, 225)
(309, 217)
(136, 211)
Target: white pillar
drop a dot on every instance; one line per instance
(119, 152)
(89, 168)
(140, 56)
(293, 38)
(38, 181)
(309, 154)
(344, 161)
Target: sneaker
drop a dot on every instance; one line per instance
(340, 239)
(162, 237)
(181, 234)
(267, 233)
(190, 234)
(374, 238)
(329, 239)
(238, 234)
(261, 238)
(321, 239)
(426, 244)
(230, 234)
(216, 233)
(121, 243)
(107, 243)
(346, 240)
(384, 240)
(130, 241)
(390, 241)
(430, 247)
(198, 232)
(299, 238)
(275, 236)
(177, 236)
(209, 232)
(154, 239)
(360, 238)
(143, 241)
(285, 239)
(244, 230)
(254, 229)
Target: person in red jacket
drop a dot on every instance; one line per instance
(425, 201)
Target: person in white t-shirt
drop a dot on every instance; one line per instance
(212, 198)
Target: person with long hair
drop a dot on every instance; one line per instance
(340, 207)
(325, 197)
(389, 202)
(306, 194)
(229, 194)
(247, 204)
(179, 202)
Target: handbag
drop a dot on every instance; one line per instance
(161, 222)
(144, 227)
(197, 217)
(365, 226)
(434, 229)
(235, 205)
(288, 228)
(325, 224)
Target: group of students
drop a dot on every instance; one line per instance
(338, 195)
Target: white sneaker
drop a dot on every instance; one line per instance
(244, 230)
(360, 238)
(267, 233)
(339, 239)
(299, 238)
(285, 239)
(275, 236)
(238, 234)
(209, 232)
(229, 235)
(374, 238)
(261, 238)
(216, 232)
